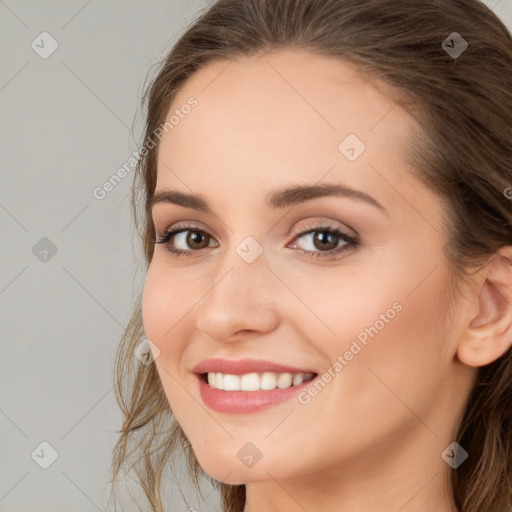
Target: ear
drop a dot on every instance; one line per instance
(488, 332)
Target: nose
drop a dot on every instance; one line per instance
(241, 299)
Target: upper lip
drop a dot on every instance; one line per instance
(243, 366)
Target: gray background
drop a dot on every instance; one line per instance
(68, 122)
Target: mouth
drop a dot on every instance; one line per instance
(251, 392)
(255, 381)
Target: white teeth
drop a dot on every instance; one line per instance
(284, 380)
(298, 378)
(231, 382)
(256, 381)
(250, 382)
(268, 381)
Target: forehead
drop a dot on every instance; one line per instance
(280, 118)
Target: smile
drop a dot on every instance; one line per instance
(241, 401)
(266, 381)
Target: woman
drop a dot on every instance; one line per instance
(327, 225)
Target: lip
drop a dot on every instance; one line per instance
(244, 402)
(243, 366)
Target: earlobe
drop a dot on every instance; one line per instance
(489, 333)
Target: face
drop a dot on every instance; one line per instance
(347, 286)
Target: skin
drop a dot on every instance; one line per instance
(372, 439)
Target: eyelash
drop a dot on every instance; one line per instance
(351, 242)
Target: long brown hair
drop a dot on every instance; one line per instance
(462, 151)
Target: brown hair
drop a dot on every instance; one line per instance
(461, 151)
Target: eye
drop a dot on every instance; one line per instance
(186, 236)
(324, 238)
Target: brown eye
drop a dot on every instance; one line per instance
(324, 241)
(184, 242)
(321, 241)
(196, 239)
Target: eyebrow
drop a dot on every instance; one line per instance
(283, 198)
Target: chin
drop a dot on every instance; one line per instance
(232, 473)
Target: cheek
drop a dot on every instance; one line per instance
(403, 361)
(161, 308)
(153, 306)
(388, 321)
(168, 304)
(165, 301)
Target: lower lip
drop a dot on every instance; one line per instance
(243, 402)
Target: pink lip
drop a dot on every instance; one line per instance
(243, 366)
(244, 402)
